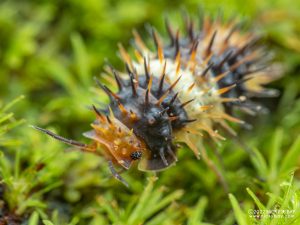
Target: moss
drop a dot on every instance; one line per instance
(49, 52)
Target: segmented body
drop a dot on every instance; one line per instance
(179, 93)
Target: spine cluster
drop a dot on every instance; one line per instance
(187, 89)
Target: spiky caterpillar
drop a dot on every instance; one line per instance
(219, 68)
(177, 93)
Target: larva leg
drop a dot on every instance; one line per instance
(116, 174)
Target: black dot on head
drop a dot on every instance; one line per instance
(136, 155)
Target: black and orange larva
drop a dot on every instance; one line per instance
(177, 94)
(118, 144)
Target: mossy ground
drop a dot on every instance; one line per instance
(49, 52)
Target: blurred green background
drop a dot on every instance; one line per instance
(49, 53)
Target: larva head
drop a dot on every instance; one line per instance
(140, 111)
(152, 125)
(119, 142)
(155, 129)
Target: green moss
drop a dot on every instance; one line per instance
(50, 51)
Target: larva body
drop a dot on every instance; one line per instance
(180, 93)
